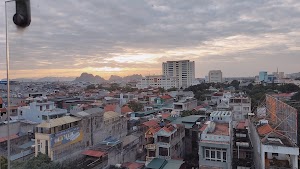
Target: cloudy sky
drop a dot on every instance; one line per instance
(123, 37)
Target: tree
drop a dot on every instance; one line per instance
(92, 86)
(3, 162)
(296, 96)
(235, 84)
(161, 90)
(172, 89)
(42, 161)
(135, 106)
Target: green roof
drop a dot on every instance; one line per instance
(157, 163)
(187, 121)
(173, 164)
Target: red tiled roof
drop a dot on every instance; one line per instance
(166, 97)
(14, 136)
(151, 123)
(265, 129)
(242, 124)
(197, 108)
(126, 109)
(1, 100)
(93, 153)
(2, 109)
(133, 165)
(203, 127)
(165, 115)
(110, 107)
(221, 129)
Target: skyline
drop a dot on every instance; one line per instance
(135, 37)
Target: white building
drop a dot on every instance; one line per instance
(215, 76)
(241, 106)
(156, 81)
(40, 110)
(215, 149)
(184, 70)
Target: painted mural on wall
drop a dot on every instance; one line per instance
(68, 136)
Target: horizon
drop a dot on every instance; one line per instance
(240, 39)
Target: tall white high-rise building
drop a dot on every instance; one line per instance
(183, 70)
(215, 76)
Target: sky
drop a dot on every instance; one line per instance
(124, 37)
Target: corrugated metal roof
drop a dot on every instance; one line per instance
(156, 163)
(58, 122)
(173, 164)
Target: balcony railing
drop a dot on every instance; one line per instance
(150, 146)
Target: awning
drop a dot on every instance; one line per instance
(94, 153)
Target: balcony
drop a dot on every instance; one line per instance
(150, 146)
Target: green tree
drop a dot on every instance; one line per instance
(91, 86)
(296, 96)
(172, 89)
(161, 90)
(3, 162)
(42, 161)
(235, 84)
(135, 106)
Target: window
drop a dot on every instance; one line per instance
(47, 106)
(163, 151)
(215, 154)
(41, 108)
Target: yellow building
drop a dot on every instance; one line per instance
(59, 138)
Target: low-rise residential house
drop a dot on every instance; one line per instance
(242, 148)
(185, 104)
(40, 110)
(274, 136)
(241, 106)
(60, 138)
(215, 149)
(165, 141)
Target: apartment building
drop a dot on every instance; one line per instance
(215, 76)
(165, 142)
(156, 81)
(240, 105)
(215, 149)
(39, 110)
(183, 70)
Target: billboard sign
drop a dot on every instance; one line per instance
(68, 136)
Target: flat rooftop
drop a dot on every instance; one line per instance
(221, 129)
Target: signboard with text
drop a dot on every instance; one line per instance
(68, 136)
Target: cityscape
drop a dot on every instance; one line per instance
(149, 84)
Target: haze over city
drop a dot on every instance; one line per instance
(122, 38)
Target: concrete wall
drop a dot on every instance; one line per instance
(14, 129)
(224, 165)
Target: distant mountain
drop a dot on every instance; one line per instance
(134, 77)
(115, 78)
(55, 79)
(86, 77)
